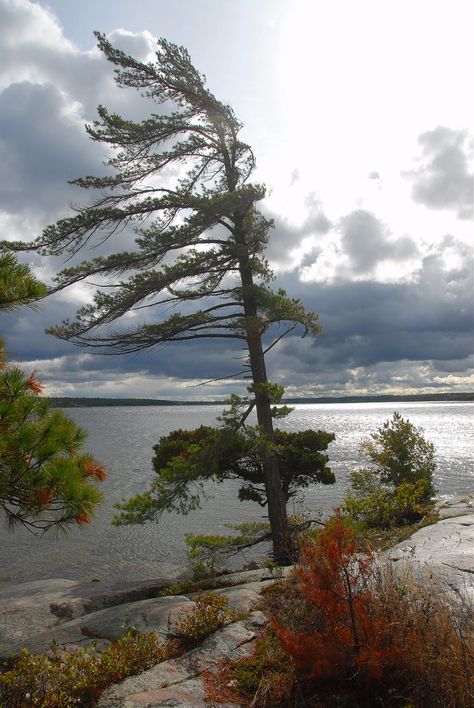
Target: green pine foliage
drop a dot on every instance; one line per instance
(45, 481)
(400, 453)
(397, 487)
(185, 460)
(18, 286)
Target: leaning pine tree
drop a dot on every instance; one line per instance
(199, 240)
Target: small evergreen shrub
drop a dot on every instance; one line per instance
(379, 506)
(397, 487)
(180, 588)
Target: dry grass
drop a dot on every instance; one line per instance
(435, 628)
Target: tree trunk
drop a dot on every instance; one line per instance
(282, 546)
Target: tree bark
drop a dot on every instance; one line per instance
(277, 514)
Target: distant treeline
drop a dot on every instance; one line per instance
(467, 396)
(70, 402)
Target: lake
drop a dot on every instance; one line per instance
(123, 437)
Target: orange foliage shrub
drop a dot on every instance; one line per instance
(351, 637)
(378, 634)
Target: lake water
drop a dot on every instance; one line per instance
(123, 437)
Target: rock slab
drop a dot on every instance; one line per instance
(177, 682)
(28, 609)
(444, 550)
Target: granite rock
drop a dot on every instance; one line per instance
(29, 609)
(152, 615)
(176, 682)
(445, 550)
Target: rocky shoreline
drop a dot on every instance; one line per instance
(73, 614)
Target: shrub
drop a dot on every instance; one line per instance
(378, 506)
(349, 637)
(398, 486)
(68, 678)
(385, 634)
(180, 588)
(210, 612)
(400, 453)
(266, 676)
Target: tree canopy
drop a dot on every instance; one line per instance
(180, 180)
(185, 460)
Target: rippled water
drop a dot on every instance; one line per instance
(123, 437)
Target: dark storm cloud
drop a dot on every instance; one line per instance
(48, 91)
(367, 241)
(375, 335)
(38, 156)
(369, 323)
(444, 179)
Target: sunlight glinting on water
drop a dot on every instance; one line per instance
(123, 439)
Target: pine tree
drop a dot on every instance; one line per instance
(200, 237)
(18, 286)
(44, 481)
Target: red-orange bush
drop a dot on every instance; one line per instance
(351, 636)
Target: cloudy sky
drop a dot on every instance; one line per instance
(359, 115)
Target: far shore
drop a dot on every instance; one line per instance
(84, 402)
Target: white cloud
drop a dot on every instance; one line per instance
(444, 179)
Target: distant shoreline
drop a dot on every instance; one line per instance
(78, 402)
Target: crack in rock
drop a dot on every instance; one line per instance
(456, 567)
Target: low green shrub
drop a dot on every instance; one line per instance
(180, 588)
(266, 678)
(61, 679)
(210, 612)
(397, 488)
(379, 506)
(204, 570)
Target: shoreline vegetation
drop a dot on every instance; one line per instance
(85, 402)
(268, 636)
